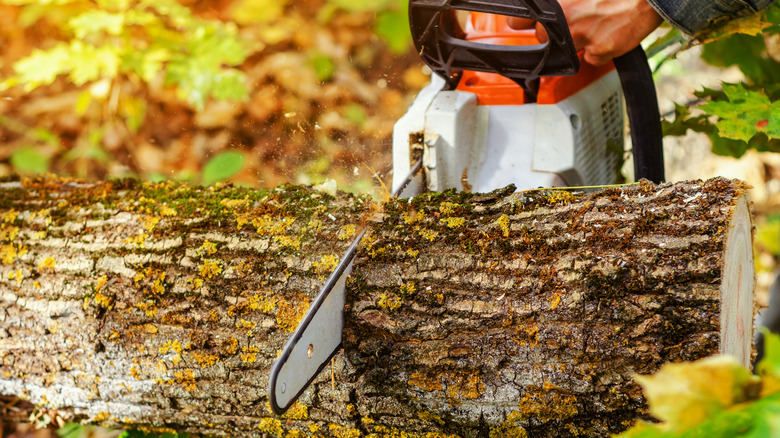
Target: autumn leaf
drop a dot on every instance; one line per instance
(714, 397)
(751, 25)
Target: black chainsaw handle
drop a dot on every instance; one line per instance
(644, 118)
(439, 40)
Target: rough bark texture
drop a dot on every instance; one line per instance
(525, 314)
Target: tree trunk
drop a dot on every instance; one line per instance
(509, 314)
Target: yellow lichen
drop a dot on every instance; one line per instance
(412, 252)
(139, 240)
(10, 216)
(408, 289)
(186, 378)
(290, 313)
(413, 216)
(389, 302)
(545, 405)
(429, 234)
(167, 211)
(261, 303)
(241, 220)
(230, 347)
(105, 301)
(503, 223)
(448, 208)
(206, 360)
(208, 248)
(234, 203)
(148, 307)
(172, 347)
(555, 300)
(9, 253)
(243, 323)
(8, 233)
(158, 285)
(346, 232)
(47, 264)
(428, 384)
(430, 417)
(344, 432)
(149, 222)
(557, 196)
(18, 276)
(326, 264)
(508, 429)
(271, 426)
(100, 283)
(286, 241)
(101, 416)
(314, 225)
(210, 268)
(267, 225)
(453, 222)
(297, 411)
(464, 386)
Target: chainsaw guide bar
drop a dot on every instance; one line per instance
(318, 336)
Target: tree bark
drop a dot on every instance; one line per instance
(161, 306)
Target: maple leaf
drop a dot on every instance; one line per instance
(745, 113)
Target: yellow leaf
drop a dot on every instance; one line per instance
(750, 25)
(685, 394)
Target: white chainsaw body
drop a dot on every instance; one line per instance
(530, 145)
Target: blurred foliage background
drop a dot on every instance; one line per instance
(262, 91)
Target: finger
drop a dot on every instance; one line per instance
(518, 23)
(597, 59)
(541, 33)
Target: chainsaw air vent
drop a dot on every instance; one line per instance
(600, 140)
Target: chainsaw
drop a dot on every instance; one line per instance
(502, 108)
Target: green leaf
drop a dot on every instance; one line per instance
(88, 62)
(683, 121)
(746, 52)
(323, 67)
(744, 113)
(247, 12)
(393, 27)
(355, 114)
(222, 167)
(71, 430)
(97, 21)
(727, 147)
(42, 67)
(770, 364)
(29, 160)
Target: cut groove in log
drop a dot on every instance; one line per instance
(525, 314)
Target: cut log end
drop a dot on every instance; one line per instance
(738, 285)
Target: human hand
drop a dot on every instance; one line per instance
(604, 29)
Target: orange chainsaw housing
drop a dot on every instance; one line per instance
(494, 89)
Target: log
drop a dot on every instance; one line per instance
(162, 306)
